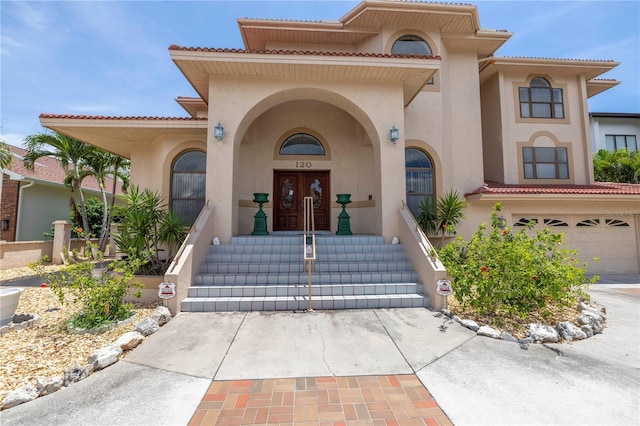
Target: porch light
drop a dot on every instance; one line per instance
(218, 132)
(394, 134)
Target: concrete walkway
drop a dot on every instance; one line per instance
(177, 373)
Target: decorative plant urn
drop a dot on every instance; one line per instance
(344, 199)
(260, 219)
(260, 197)
(344, 220)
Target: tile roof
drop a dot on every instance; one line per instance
(48, 169)
(299, 52)
(598, 188)
(557, 59)
(115, 117)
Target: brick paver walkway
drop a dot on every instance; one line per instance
(359, 400)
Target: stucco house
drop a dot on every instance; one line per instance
(614, 130)
(391, 103)
(31, 201)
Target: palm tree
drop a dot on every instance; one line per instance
(616, 166)
(103, 164)
(6, 157)
(70, 153)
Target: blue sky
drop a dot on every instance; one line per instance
(111, 57)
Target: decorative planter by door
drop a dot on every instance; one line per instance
(260, 219)
(344, 220)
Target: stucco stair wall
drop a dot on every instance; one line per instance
(266, 273)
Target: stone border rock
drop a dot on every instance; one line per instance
(591, 320)
(98, 360)
(20, 322)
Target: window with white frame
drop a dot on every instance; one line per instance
(615, 142)
(545, 163)
(541, 100)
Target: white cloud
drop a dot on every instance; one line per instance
(14, 139)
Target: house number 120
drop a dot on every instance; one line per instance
(303, 164)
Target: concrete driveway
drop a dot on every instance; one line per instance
(475, 380)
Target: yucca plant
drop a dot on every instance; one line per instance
(145, 226)
(443, 216)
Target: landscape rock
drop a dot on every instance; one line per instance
(487, 331)
(162, 315)
(592, 321)
(470, 324)
(77, 373)
(19, 396)
(147, 326)
(46, 385)
(569, 331)
(104, 357)
(129, 340)
(543, 333)
(588, 330)
(601, 312)
(508, 337)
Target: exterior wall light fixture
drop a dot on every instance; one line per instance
(218, 132)
(5, 224)
(394, 134)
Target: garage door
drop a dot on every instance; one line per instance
(613, 240)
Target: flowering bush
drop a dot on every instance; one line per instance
(100, 294)
(505, 272)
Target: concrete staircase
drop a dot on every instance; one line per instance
(266, 273)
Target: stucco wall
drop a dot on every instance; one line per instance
(570, 130)
(492, 130)
(39, 206)
(601, 126)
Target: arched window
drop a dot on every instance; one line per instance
(412, 45)
(419, 178)
(301, 144)
(540, 100)
(188, 185)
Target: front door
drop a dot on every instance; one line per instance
(290, 188)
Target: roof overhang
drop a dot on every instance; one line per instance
(120, 135)
(596, 86)
(449, 18)
(556, 67)
(199, 64)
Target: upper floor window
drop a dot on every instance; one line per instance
(188, 176)
(540, 100)
(545, 163)
(615, 142)
(301, 144)
(412, 45)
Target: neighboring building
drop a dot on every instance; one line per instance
(307, 107)
(31, 201)
(614, 130)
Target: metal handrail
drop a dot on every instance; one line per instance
(309, 242)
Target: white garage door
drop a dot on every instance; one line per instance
(612, 240)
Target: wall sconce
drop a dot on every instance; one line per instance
(218, 132)
(394, 134)
(5, 224)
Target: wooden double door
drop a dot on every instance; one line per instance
(290, 188)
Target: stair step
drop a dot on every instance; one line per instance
(297, 249)
(302, 290)
(301, 278)
(297, 267)
(284, 303)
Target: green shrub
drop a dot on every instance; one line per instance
(501, 272)
(100, 295)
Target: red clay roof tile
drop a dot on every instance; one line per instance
(299, 52)
(598, 188)
(115, 117)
